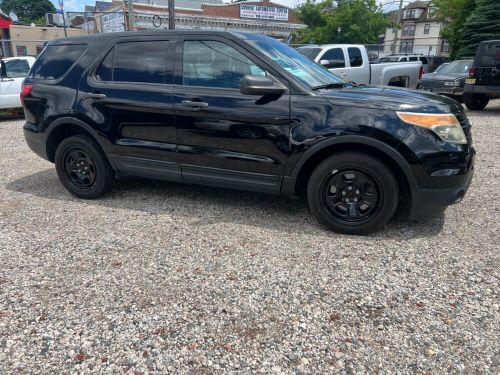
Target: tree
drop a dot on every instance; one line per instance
(342, 21)
(28, 11)
(453, 13)
(482, 24)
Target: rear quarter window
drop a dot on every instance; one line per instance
(56, 60)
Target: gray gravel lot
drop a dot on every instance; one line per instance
(168, 278)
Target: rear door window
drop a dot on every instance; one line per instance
(490, 56)
(136, 62)
(335, 57)
(355, 57)
(424, 60)
(56, 60)
(414, 58)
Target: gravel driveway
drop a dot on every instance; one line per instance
(168, 278)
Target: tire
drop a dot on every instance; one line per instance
(83, 167)
(476, 102)
(353, 193)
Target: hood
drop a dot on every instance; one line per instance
(391, 98)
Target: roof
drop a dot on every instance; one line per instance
(101, 6)
(418, 5)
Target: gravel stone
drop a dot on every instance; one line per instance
(169, 278)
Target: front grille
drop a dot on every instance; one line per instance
(466, 125)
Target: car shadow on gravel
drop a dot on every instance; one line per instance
(216, 205)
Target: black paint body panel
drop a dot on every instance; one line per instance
(238, 141)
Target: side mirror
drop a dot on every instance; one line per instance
(324, 62)
(260, 85)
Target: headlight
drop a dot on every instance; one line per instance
(445, 126)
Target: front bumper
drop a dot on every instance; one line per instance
(36, 141)
(426, 202)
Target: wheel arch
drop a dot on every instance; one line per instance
(65, 127)
(297, 181)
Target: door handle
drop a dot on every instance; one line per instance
(94, 95)
(194, 104)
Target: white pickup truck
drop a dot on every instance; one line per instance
(350, 62)
(14, 69)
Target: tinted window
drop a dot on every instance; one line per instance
(16, 68)
(104, 72)
(490, 55)
(335, 57)
(424, 60)
(413, 58)
(140, 62)
(215, 64)
(355, 56)
(55, 61)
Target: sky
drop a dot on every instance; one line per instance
(78, 5)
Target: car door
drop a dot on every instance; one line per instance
(13, 73)
(129, 95)
(359, 67)
(226, 138)
(334, 60)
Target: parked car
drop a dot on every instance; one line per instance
(483, 82)
(404, 58)
(13, 71)
(448, 81)
(242, 111)
(351, 63)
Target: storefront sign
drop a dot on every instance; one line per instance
(263, 12)
(113, 22)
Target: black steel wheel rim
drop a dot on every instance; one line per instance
(351, 195)
(80, 168)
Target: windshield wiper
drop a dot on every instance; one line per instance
(329, 86)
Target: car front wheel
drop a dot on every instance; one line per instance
(353, 193)
(83, 168)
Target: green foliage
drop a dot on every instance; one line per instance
(454, 13)
(482, 24)
(28, 11)
(342, 21)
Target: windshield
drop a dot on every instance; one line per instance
(307, 71)
(441, 67)
(462, 66)
(309, 52)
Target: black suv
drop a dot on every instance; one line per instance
(483, 82)
(242, 111)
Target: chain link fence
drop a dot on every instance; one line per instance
(13, 48)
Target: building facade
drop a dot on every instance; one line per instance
(262, 17)
(419, 32)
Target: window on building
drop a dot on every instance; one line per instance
(406, 46)
(445, 46)
(142, 62)
(215, 64)
(355, 57)
(335, 57)
(431, 12)
(410, 13)
(411, 30)
(427, 28)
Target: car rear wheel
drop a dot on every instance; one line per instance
(476, 102)
(353, 193)
(83, 168)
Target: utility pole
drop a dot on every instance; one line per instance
(395, 42)
(171, 15)
(131, 15)
(61, 5)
